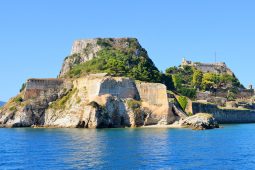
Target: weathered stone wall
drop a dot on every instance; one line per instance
(153, 93)
(154, 97)
(218, 68)
(222, 93)
(225, 115)
(43, 88)
(100, 84)
(119, 87)
(97, 85)
(43, 83)
(213, 68)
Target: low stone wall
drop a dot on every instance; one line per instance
(209, 96)
(225, 115)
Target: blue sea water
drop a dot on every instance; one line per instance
(231, 147)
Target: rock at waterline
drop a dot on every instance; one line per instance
(201, 121)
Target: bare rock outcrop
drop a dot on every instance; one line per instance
(200, 121)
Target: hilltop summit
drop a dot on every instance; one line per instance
(115, 56)
(86, 49)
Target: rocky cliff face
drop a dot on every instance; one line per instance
(94, 101)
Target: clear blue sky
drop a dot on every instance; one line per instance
(35, 36)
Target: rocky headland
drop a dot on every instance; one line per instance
(93, 99)
(112, 82)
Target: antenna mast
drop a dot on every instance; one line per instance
(215, 56)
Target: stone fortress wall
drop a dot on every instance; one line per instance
(242, 94)
(153, 93)
(121, 87)
(225, 115)
(152, 96)
(217, 68)
(44, 88)
(43, 83)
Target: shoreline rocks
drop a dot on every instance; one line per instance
(200, 121)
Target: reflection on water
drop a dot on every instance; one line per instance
(229, 148)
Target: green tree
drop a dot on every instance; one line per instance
(172, 70)
(197, 79)
(177, 81)
(210, 80)
(231, 95)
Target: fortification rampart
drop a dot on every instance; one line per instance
(43, 83)
(217, 68)
(225, 115)
(241, 94)
(119, 87)
(152, 93)
(44, 88)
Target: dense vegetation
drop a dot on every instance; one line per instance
(130, 62)
(188, 80)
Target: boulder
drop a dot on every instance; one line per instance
(200, 121)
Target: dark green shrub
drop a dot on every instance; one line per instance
(134, 104)
(119, 63)
(18, 99)
(13, 108)
(188, 92)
